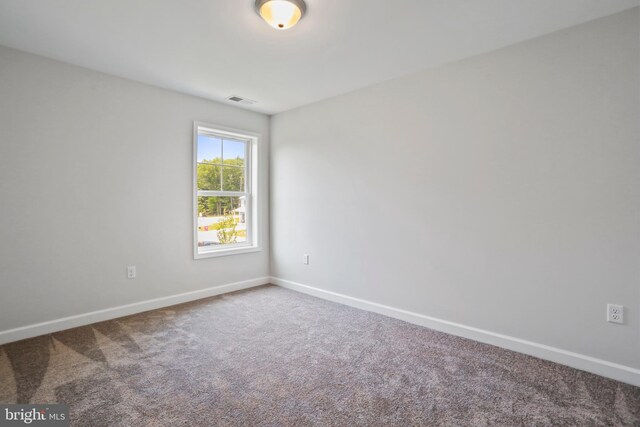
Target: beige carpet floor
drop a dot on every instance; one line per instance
(269, 356)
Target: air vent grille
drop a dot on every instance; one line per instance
(240, 100)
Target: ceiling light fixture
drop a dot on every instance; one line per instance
(281, 14)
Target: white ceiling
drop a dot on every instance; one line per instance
(217, 48)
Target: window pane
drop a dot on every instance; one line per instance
(208, 177)
(234, 150)
(209, 149)
(221, 221)
(233, 155)
(233, 178)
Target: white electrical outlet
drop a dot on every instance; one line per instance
(615, 313)
(131, 272)
(305, 259)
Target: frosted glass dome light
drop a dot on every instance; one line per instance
(281, 14)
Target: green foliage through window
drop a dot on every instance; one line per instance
(227, 232)
(215, 175)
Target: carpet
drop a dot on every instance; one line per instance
(273, 357)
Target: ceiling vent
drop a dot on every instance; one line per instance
(240, 100)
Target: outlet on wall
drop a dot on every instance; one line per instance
(305, 259)
(131, 272)
(615, 313)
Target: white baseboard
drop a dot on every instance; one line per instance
(604, 368)
(37, 329)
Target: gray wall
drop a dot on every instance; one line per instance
(500, 192)
(95, 175)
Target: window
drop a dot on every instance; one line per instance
(224, 203)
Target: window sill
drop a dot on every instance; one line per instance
(226, 252)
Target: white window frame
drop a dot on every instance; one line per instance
(252, 243)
